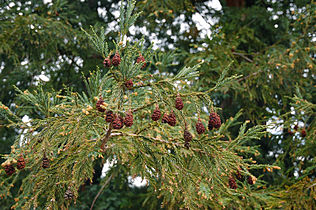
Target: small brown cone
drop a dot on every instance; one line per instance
(116, 60)
(239, 176)
(172, 119)
(9, 169)
(107, 62)
(45, 162)
(303, 132)
(250, 180)
(232, 183)
(128, 121)
(179, 102)
(109, 116)
(156, 114)
(129, 84)
(118, 122)
(187, 137)
(141, 59)
(68, 194)
(98, 105)
(165, 118)
(214, 121)
(199, 127)
(21, 163)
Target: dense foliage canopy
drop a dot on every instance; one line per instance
(255, 68)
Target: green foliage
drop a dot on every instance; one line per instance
(73, 135)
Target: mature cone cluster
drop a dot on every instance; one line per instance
(98, 105)
(9, 169)
(172, 119)
(109, 116)
(199, 127)
(21, 163)
(187, 138)
(45, 162)
(232, 183)
(250, 180)
(165, 118)
(141, 59)
(179, 103)
(107, 62)
(68, 194)
(156, 114)
(303, 132)
(118, 122)
(128, 121)
(129, 84)
(116, 60)
(215, 121)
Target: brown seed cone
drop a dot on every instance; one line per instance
(45, 162)
(98, 105)
(303, 132)
(9, 169)
(187, 136)
(109, 116)
(250, 180)
(165, 118)
(232, 183)
(116, 60)
(118, 122)
(295, 127)
(239, 176)
(199, 127)
(156, 114)
(179, 103)
(128, 121)
(107, 62)
(129, 84)
(21, 163)
(141, 59)
(172, 119)
(68, 195)
(215, 121)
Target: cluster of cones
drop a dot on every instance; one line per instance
(118, 121)
(232, 182)
(9, 167)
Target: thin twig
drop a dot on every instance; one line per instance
(243, 56)
(100, 191)
(106, 138)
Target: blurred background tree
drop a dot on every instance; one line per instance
(271, 43)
